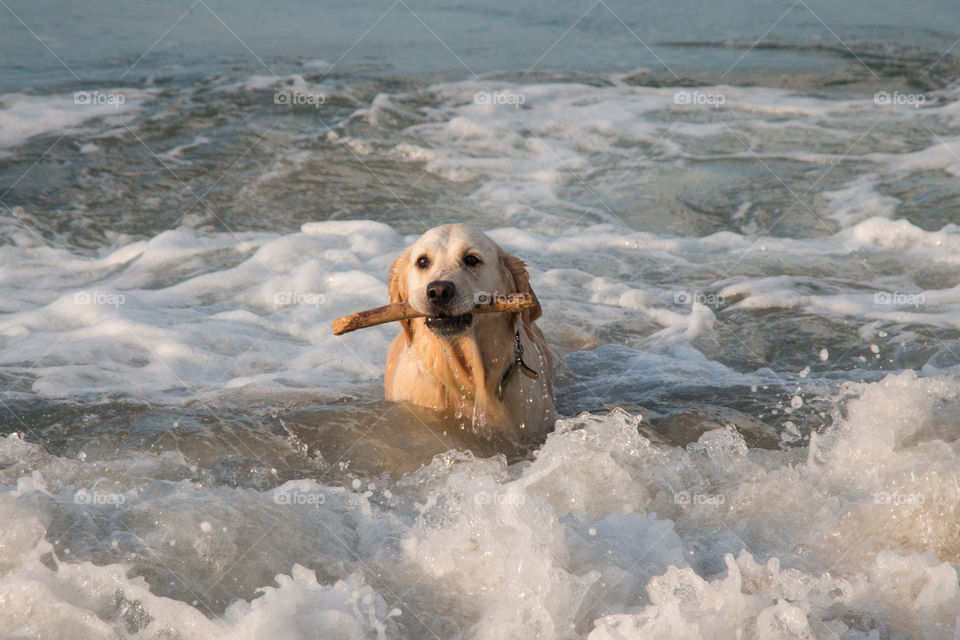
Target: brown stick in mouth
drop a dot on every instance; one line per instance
(509, 303)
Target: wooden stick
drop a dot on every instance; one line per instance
(510, 303)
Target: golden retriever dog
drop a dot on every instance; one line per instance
(490, 370)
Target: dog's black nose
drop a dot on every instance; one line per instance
(441, 292)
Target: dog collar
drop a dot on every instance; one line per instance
(517, 364)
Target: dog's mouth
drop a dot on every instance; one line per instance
(449, 325)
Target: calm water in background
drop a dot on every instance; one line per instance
(743, 209)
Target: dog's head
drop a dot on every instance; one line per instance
(445, 272)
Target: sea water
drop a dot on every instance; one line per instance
(740, 219)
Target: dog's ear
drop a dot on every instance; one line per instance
(516, 271)
(398, 289)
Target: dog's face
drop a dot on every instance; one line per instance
(445, 271)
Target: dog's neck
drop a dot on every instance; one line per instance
(469, 366)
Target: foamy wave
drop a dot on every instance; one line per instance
(23, 116)
(604, 534)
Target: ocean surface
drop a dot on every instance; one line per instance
(741, 220)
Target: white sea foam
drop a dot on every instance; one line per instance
(858, 201)
(176, 153)
(187, 315)
(704, 542)
(23, 116)
(288, 90)
(529, 146)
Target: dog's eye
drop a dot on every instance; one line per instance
(423, 262)
(471, 260)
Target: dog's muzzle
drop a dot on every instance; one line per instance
(446, 326)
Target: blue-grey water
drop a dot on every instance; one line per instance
(741, 219)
